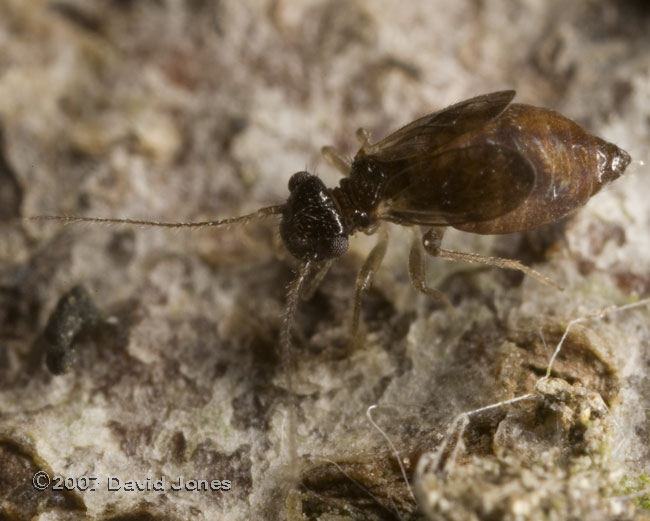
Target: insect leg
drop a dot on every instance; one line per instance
(312, 285)
(431, 242)
(363, 137)
(338, 161)
(417, 272)
(365, 278)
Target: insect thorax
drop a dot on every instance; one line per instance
(359, 195)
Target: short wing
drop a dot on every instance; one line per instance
(472, 184)
(428, 133)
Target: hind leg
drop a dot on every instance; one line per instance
(417, 272)
(433, 238)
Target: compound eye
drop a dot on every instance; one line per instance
(297, 179)
(336, 247)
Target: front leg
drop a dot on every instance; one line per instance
(337, 160)
(313, 283)
(433, 238)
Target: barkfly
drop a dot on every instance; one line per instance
(483, 165)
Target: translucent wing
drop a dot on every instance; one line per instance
(428, 133)
(471, 184)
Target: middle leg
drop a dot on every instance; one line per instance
(365, 278)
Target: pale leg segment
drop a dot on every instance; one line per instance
(363, 137)
(365, 278)
(431, 243)
(313, 283)
(337, 160)
(417, 272)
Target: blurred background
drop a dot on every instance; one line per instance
(177, 110)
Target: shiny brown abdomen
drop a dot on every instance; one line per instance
(570, 165)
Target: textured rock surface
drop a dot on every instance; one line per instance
(186, 110)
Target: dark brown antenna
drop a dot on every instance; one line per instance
(262, 212)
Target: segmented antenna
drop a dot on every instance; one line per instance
(262, 212)
(289, 361)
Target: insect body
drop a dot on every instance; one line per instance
(482, 165)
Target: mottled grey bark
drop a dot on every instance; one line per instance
(178, 111)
